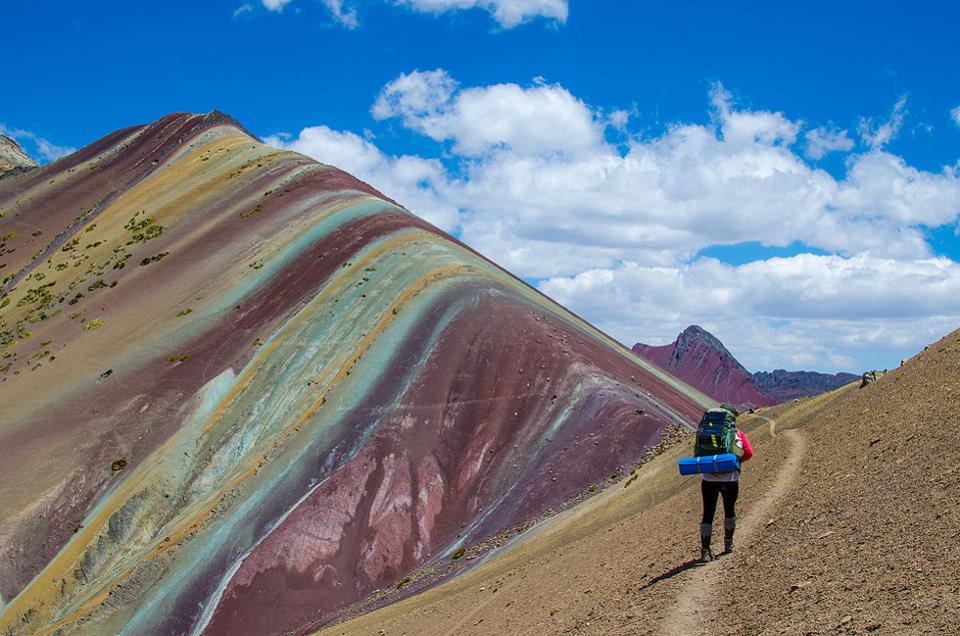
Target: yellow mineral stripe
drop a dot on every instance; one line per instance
(70, 556)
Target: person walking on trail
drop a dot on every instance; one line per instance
(727, 486)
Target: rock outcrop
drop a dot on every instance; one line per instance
(13, 158)
(869, 377)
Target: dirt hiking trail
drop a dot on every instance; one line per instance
(697, 597)
(847, 524)
(625, 558)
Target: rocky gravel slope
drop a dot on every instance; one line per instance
(848, 520)
(869, 539)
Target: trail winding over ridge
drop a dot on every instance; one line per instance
(696, 596)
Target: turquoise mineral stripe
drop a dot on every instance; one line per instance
(328, 223)
(239, 523)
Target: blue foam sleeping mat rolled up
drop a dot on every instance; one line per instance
(708, 464)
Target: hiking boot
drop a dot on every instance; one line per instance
(706, 556)
(729, 525)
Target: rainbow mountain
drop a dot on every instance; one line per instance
(242, 390)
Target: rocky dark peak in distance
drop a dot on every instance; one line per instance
(696, 337)
(700, 359)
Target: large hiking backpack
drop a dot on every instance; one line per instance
(716, 434)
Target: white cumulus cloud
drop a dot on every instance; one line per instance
(955, 114)
(418, 98)
(619, 119)
(507, 13)
(878, 134)
(528, 189)
(526, 176)
(411, 181)
(343, 12)
(524, 120)
(821, 141)
(745, 128)
(275, 5)
(245, 10)
(773, 310)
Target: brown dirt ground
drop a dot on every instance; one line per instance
(848, 524)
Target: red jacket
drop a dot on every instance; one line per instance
(747, 448)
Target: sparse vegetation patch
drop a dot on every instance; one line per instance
(153, 259)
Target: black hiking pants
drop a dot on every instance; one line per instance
(710, 489)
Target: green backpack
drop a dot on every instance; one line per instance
(716, 434)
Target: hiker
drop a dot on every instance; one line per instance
(726, 485)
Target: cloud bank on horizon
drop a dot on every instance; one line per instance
(615, 225)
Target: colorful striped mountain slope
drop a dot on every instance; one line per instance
(242, 390)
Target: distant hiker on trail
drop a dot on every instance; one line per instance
(725, 484)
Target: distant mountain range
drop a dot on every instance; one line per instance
(787, 385)
(700, 359)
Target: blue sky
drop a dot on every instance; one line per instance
(784, 176)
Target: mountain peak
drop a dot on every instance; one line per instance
(220, 118)
(200, 288)
(700, 359)
(698, 333)
(696, 337)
